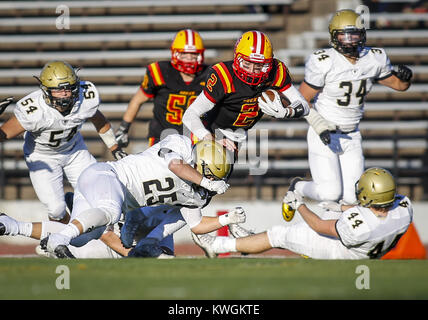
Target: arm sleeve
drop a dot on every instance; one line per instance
(192, 116)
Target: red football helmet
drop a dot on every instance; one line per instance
(254, 47)
(187, 41)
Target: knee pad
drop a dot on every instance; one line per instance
(95, 217)
(56, 211)
(276, 236)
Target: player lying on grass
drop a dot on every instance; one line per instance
(151, 235)
(368, 230)
(171, 172)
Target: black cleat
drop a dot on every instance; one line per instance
(293, 182)
(62, 252)
(44, 243)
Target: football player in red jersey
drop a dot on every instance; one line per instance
(231, 96)
(173, 85)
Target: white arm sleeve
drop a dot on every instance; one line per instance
(295, 97)
(192, 116)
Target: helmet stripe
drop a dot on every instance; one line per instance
(190, 37)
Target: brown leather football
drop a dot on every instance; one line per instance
(271, 95)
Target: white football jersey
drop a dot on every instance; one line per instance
(149, 181)
(344, 85)
(47, 130)
(370, 236)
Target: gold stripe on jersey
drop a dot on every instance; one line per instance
(156, 74)
(225, 77)
(281, 75)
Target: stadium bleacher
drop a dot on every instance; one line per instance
(113, 41)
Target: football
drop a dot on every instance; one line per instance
(271, 95)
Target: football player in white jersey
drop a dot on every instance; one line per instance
(365, 231)
(338, 80)
(164, 174)
(51, 118)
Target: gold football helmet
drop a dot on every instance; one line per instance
(347, 33)
(212, 159)
(59, 75)
(255, 47)
(375, 188)
(187, 41)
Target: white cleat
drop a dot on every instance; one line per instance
(238, 231)
(8, 225)
(205, 242)
(43, 253)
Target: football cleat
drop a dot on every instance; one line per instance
(205, 241)
(62, 252)
(293, 183)
(287, 211)
(8, 225)
(43, 253)
(239, 232)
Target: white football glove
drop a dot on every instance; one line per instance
(293, 199)
(218, 186)
(273, 108)
(330, 205)
(237, 215)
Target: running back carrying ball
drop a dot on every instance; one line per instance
(277, 105)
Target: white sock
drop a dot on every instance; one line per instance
(70, 231)
(25, 228)
(49, 227)
(224, 244)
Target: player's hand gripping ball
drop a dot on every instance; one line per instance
(275, 104)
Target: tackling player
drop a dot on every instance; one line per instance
(367, 230)
(51, 118)
(173, 85)
(231, 96)
(338, 79)
(164, 174)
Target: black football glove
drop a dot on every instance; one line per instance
(122, 134)
(325, 137)
(119, 153)
(5, 103)
(403, 73)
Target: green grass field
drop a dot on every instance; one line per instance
(200, 278)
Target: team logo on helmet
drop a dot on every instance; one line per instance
(187, 41)
(253, 47)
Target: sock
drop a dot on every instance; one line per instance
(70, 231)
(49, 227)
(224, 244)
(25, 228)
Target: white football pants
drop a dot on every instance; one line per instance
(334, 168)
(46, 174)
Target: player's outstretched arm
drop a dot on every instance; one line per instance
(399, 80)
